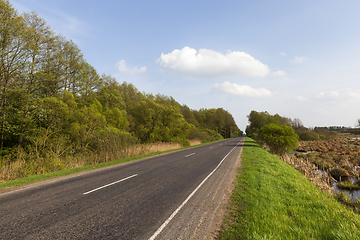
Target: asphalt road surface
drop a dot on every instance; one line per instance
(172, 196)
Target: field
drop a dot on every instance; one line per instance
(340, 157)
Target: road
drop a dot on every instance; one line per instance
(172, 196)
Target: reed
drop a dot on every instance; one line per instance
(26, 165)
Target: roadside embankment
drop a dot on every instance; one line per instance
(272, 200)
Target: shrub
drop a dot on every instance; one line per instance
(279, 138)
(309, 136)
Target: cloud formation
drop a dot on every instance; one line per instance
(121, 65)
(328, 95)
(298, 60)
(345, 94)
(302, 99)
(208, 63)
(242, 90)
(278, 73)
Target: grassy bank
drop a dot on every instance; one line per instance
(272, 200)
(153, 151)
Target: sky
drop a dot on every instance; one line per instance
(300, 59)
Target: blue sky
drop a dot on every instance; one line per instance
(300, 59)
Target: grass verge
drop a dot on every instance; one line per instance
(272, 200)
(65, 172)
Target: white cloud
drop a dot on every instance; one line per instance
(321, 111)
(302, 99)
(121, 65)
(298, 60)
(242, 90)
(208, 63)
(278, 73)
(353, 94)
(341, 94)
(328, 95)
(283, 54)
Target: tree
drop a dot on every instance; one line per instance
(189, 116)
(280, 138)
(153, 122)
(257, 120)
(86, 121)
(110, 94)
(38, 37)
(12, 55)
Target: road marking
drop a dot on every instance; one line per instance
(188, 198)
(190, 155)
(110, 184)
(210, 147)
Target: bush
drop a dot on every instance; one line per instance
(309, 136)
(280, 138)
(205, 135)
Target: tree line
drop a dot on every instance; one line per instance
(281, 134)
(257, 120)
(54, 104)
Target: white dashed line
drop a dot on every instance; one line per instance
(110, 184)
(190, 155)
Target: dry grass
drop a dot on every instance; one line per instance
(194, 142)
(10, 170)
(342, 152)
(322, 180)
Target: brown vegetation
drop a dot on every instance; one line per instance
(339, 156)
(321, 179)
(325, 162)
(21, 168)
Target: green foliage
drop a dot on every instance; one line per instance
(85, 123)
(113, 141)
(324, 133)
(154, 122)
(259, 119)
(306, 134)
(309, 136)
(348, 186)
(280, 138)
(214, 121)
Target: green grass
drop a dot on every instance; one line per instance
(348, 186)
(272, 200)
(65, 172)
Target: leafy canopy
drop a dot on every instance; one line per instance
(280, 138)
